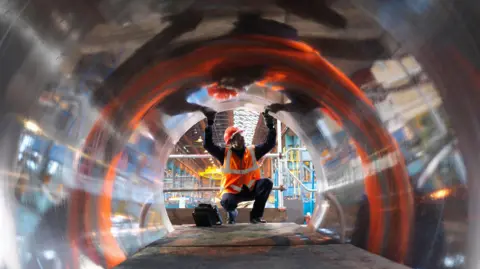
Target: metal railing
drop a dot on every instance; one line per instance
(208, 156)
(434, 162)
(320, 208)
(300, 182)
(207, 189)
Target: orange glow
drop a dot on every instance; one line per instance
(275, 76)
(143, 110)
(276, 88)
(114, 255)
(221, 94)
(272, 77)
(339, 97)
(377, 221)
(440, 194)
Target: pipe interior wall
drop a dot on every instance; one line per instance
(77, 79)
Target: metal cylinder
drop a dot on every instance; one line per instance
(86, 76)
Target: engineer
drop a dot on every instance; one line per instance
(241, 169)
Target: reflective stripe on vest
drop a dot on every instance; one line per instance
(228, 170)
(250, 184)
(239, 189)
(235, 188)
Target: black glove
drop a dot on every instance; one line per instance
(274, 108)
(269, 121)
(210, 114)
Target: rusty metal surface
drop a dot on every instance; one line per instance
(326, 256)
(285, 245)
(241, 234)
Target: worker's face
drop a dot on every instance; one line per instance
(237, 142)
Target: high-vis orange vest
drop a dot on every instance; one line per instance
(239, 172)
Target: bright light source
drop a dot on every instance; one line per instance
(149, 135)
(440, 194)
(199, 139)
(49, 254)
(32, 126)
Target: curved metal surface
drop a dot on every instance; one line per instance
(434, 162)
(85, 75)
(340, 213)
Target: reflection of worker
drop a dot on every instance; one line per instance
(242, 173)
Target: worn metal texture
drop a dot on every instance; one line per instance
(326, 256)
(242, 234)
(285, 245)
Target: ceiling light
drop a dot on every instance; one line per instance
(32, 126)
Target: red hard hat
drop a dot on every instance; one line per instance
(220, 93)
(230, 132)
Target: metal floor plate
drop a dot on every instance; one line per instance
(271, 234)
(276, 245)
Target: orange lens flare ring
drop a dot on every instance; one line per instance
(276, 52)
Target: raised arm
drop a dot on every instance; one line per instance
(270, 141)
(214, 150)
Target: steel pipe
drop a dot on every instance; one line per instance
(301, 183)
(279, 163)
(144, 64)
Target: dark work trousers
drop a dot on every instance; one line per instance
(260, 194)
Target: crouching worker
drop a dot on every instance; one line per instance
(241, 171)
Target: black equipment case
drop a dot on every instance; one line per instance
(207, 215)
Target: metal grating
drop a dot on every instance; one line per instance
(260, 133)
(222, 121)
(247, 121)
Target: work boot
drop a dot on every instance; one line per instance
(256, 220)
(232, 216)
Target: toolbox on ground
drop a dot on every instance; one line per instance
(207, 215)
